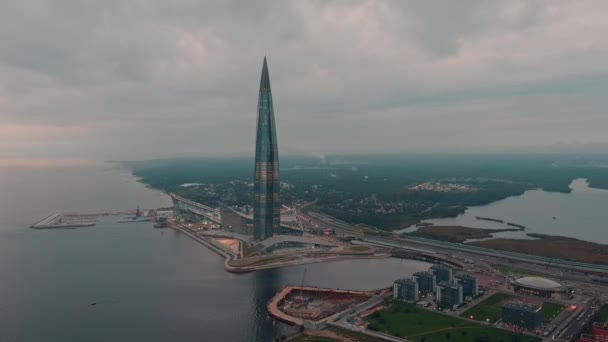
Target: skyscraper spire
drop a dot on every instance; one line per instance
(265, 79)
(267, 203)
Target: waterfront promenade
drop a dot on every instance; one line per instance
(233, 263)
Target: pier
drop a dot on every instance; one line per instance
(78, 219)
(60, 220)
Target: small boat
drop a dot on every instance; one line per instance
(554, 217)
(93, 303)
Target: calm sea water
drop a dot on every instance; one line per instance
(151, 284)
(580, 214)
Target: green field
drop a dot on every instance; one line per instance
(551, 310)
(405, 320)
(602, 315)
(489, 309)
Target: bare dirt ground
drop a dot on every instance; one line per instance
(553, 247)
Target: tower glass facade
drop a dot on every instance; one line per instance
(426, 282)
(449, 294)
(267, 202)
(405, 290)
(523, 315)
(442, 273)
(470, 284)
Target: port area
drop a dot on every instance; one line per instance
(313, 307)
(90, 218)
(60, 220)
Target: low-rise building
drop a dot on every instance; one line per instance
(541, 287)
(470, 284)
(449, 294)
(523, 315)
(405, 290)
(426, 282)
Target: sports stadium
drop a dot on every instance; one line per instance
(541, 287)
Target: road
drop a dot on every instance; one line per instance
(444, 246)
(576, 325)
(567, 330)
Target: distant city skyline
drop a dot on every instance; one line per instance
(88, 82)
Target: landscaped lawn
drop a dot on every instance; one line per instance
(551, 310)
(406, 320)
(489, 309)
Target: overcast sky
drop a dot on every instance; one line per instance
(142, 79)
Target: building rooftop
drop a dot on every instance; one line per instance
(405, 281)
(465, 276)
(446, 284)
(424, 274)
(539, 283)
(440, 267)
(276, 239)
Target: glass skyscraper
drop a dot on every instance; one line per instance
(267, 203)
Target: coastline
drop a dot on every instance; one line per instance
(228, 257)
(587, 253)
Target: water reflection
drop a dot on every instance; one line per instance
(265, 285)
(168, 287)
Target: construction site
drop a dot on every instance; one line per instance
(297, 305)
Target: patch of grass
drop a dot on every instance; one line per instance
(406, 320)
(489, 309)
(551, 310)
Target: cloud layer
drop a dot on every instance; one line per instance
(143, 79)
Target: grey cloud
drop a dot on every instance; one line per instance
(156, 78)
